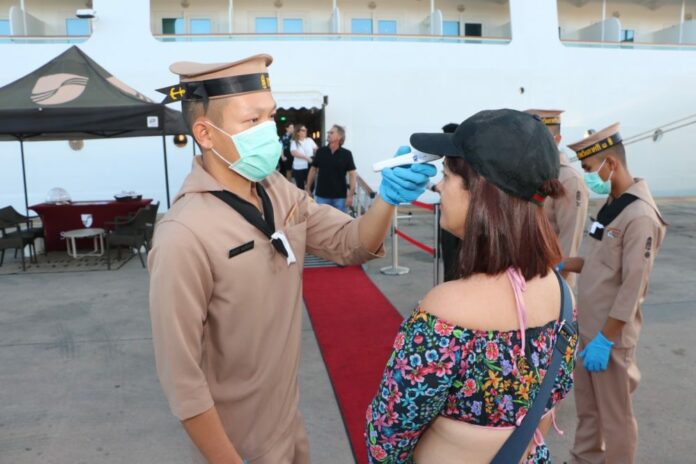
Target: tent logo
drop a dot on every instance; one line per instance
(57, 89)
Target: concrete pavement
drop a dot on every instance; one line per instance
(78, 384)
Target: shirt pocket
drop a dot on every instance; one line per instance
(610, 252)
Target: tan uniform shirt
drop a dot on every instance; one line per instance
(226, 330)
(614, 280)
(567, 214)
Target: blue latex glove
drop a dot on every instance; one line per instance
(404, 184)
(596, 354)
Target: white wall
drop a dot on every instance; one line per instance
(633, 14)
(381, 94)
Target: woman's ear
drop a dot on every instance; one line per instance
(201, 132)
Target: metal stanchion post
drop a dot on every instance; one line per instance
(436, 235)
(394, 269)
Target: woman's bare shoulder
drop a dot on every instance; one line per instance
(460, 301)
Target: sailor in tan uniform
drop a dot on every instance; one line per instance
(226, 269)
(620, 250)
(566, 214)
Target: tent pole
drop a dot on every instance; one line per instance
(166, 169)
(24, 179)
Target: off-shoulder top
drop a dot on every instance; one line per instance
(482, 377)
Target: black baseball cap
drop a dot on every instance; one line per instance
(511, 149)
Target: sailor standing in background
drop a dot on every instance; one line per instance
(620, 250)
(566, 214)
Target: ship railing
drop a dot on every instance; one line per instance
(42, 39)
(331, 37)
(628, 45)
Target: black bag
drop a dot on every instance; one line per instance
(513, 448)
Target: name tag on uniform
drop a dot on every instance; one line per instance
(613, 233)
(241, 249)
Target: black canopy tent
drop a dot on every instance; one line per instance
(72, 97)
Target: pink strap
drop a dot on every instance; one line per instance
(553, 421)
(519, 285)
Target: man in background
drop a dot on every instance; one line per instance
(331, 165)
(285, 164)
(566, 214)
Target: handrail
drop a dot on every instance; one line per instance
(360, 206)
(641, 45)
(364, 185)
(664, 128)
(331, 36)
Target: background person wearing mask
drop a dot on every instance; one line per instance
(226, 281)
(568, 213)
(619, 254)
(330, 166)
(302, 149)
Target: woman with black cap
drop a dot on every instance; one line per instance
(470, 360)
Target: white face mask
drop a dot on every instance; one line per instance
(259, 151)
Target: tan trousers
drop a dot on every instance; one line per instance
(293, 448)
(607, 431)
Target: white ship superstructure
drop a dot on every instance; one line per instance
(383, 69)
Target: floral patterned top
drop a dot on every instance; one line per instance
(479, 377)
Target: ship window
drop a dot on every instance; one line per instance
(627, 35)
(201, 26)
(4, 27)
(267, 25)
(386, 26)
(293, 26)
(77, 26)
(450, 28)
(473, 29)
(172, 25)
(361, 26)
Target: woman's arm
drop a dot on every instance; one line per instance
(418, 376)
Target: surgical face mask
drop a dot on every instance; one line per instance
(259, 151)
(596, 183)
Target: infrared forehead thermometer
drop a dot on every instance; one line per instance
(414, 157)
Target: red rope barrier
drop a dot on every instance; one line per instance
(413, 241)
(427, 206)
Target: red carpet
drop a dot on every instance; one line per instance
(355, 326)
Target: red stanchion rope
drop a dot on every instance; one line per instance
(427, 206)
(413, 241)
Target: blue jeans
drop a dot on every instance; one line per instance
(338, 203)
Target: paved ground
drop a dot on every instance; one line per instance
(77, 380)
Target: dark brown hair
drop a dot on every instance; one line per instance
(502, 230)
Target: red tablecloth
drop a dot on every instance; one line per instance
(59, 218)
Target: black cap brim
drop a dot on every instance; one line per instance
(435, 144)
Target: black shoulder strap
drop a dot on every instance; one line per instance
(265, 223)
(515, 446)
(609, 212)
